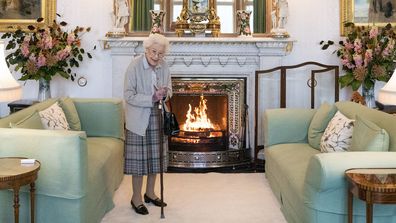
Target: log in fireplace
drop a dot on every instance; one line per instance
(212, 118)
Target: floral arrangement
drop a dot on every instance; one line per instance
(367, 54)
(45, 50)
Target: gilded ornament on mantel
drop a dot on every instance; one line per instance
(197, 17)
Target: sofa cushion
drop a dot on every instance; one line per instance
(71, 114)
(338, 134)
(319, 123)
(33, 121)
(54, 118)
(367, 136)
(108, 119)
(382, 119)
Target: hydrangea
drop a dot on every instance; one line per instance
(45, 51)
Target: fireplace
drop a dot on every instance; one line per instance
(211, 114)
(219, 59)
(203, 121)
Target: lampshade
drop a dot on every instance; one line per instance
(10, 90)
(387, 94)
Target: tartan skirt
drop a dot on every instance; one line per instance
(142, 153)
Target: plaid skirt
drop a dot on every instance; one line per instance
(142, 153)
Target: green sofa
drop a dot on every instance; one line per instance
(80, 170)
(311, 186)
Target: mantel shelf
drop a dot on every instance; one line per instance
(276, 46)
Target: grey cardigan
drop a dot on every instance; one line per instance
(138, 92)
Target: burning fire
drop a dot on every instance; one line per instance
(198, 121)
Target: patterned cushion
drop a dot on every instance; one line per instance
(54, 118)
(367, 136)
(338, 134)
(33, 121)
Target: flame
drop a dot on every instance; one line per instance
(198, 121)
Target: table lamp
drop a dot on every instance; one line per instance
(387, 95)
(10, 90)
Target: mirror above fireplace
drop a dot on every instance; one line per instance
(225, 9)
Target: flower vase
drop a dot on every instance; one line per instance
(157, 21)
(243, 18)
(44, 92)
(368, 94)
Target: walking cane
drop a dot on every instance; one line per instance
(161, 132)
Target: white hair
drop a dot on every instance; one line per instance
(158, 39)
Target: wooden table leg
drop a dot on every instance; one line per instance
(32, 197)
(369, 207)
(350, 206)
(369, 212)
(16, 205)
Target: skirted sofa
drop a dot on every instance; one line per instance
(80, 169)
(310, 185)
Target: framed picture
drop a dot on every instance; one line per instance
(14, 13)
(367, 12)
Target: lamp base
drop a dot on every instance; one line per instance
(391, 109)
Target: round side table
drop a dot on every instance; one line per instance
(373, 185)
(13, 175)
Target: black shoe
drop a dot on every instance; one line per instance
(156, 202)
(141, 209)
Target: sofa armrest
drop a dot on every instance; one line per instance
(286, 125)
(101, 117)
(326, 171)
(62, 154)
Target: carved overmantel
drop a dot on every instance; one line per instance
(205, 57)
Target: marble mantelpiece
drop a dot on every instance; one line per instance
(205, 57)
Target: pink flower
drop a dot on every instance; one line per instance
(348, 46)
(26, 39)
(346, 62)
(32, 57)
(25, 49)
(373, 32)
(377, 50)
(368, 57)
(48, 42)
(70, 38)
(63, 54)
(45, 42)
(358, 45)
(41, 61)
(358, 60)
(389, 48)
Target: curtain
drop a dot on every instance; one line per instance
(140, 19)
(259, 11)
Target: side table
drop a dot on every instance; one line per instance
(13, 175)
(373, 185)
(20, 104)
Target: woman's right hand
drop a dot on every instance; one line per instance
(159, 94)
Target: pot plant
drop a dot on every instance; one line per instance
(367, 55)
(42, 52)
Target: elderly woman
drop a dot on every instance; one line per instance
(147, 81)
